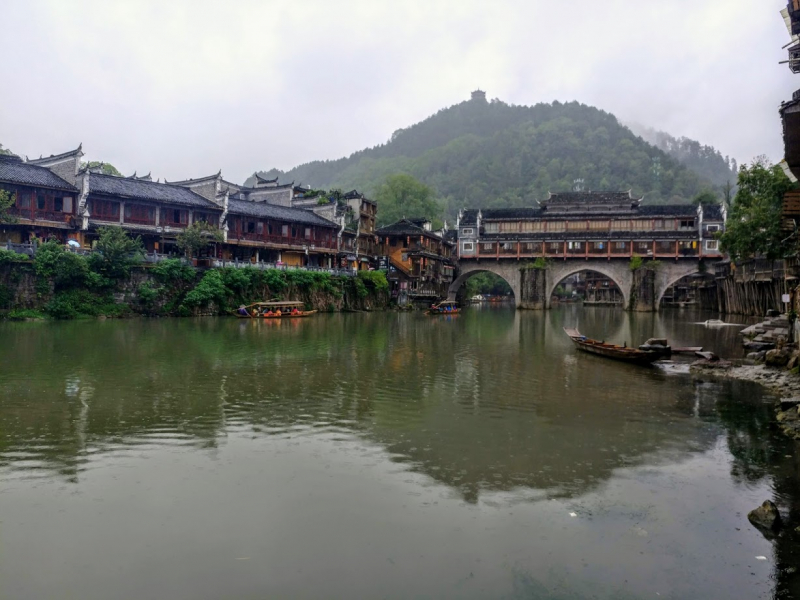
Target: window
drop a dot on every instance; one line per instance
(58, 204)
(269, 228)
(508, 246)
(308, 233)
(23, 201)
(140, 213)
(467, 231)
(285, 230)
(260, 228)
(40, 204)
(491, 227)
(251, 227)
(468, 247)
(712, 228)
(712, 245)
(687, 223)
(658, 223)
(67, 204)
(104, 210)
(487, 246)
(294, 231)
(176, 216)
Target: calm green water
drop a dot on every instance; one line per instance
(382, 456)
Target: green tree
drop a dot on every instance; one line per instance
(198, 236)
(754, 226)
(6, 202)
(114, 252)
(106, 168)
(401, 196)
(706, 198)
(5, 150)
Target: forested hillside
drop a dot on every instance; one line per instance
(492, 154)
(706, 161)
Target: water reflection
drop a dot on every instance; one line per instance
(492, 400)
(495, 406)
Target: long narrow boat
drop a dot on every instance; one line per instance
(443, 308)
(623, 353)
(269, 310)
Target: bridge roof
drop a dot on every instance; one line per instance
(590, 198)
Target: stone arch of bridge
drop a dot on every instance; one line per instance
(669, 276)
(507, 271)
(618, 272)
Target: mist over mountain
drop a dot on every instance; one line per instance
(492, 154)
(706, 161)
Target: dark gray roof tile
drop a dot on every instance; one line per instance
(13, 170)
(265, 210)
(141, 189)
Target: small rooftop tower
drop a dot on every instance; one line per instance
(479, 95)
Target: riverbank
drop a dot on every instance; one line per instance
(61, 285)
(782, 383)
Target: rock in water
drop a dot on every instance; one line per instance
(777, 358)
(765, 516)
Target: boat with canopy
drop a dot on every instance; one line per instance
(279, 309)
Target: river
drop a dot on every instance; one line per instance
(383, 455)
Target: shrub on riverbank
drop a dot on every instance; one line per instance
(64, 285)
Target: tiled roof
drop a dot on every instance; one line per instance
(469, 217)
(265, 210)
(712, 213)
(13, 170)
(590, 197)
(512, 213)
(141, 189)
(402, 227)
(667, 210)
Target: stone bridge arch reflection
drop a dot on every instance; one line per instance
(486, 403)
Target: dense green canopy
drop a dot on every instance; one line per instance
(492, 154)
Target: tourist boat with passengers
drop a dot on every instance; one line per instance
(623, 353)
(279, 309)
(443, 308)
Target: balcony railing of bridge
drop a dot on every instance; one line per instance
(665, 248)
(620, 248)
(687, 248)
(508, 249)
(643, 248)
(598, 248)
(531, 248)
(487, 248)
(576, 248)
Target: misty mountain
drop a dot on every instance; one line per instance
(492, 154)
(706, 161)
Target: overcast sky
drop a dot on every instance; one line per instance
(187, 88)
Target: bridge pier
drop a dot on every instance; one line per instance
(642, 289)
(533, 289)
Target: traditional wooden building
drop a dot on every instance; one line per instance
(420, 260)
(157, 212)
(591, 225)
(54, 198)
(45, 203)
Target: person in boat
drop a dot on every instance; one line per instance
(254, 312)
(278, 313)
(269, 313)
(295, 311)
(243, 311)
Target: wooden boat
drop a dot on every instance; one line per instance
(623, 353)
(443, 308)
(267, 310)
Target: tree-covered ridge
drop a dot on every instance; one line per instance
(492, 154)
(706, 161)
